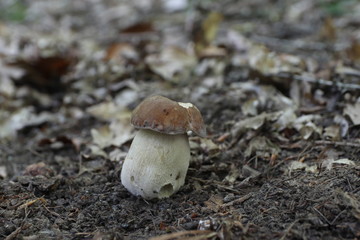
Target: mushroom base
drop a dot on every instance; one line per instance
(156, 164)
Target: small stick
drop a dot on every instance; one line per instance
(288, 229)
(322, 216)
(14, 234)
(239, 200)
(337, 143)
(321, 81)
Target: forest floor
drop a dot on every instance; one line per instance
(277, 83)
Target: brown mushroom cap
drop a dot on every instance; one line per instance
(163, 115)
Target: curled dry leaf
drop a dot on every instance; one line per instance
(285, 120)
(45, 73)
(329, 163)
(353, 111)
(232, 175)
(265, 97)
(307, 127)
(206, 144)
(250, 107)
(96, 150)
(206, 33)
(354, 51)
(109, 111)
(332, 133)
(296, 165)
(121, 52)
(3, 172)
(209, 146)
(172, 64)
(8, 72)
(118, 132)
(102, 136)
(262, 147)
(59, 142)
(254, 123)
(343, 124)
(115, 134)
(270, 63)
(214, 203)
(12, 122)
(116, 155)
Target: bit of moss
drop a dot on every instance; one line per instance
(13, 11)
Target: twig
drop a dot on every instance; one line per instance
(33, 151)
(218, 184)
(322, 216)
(199, 234)
(85, 233)
(239, 200)
(327, 83)
(51, 212)
(277, 42)
(320, 81)
(337, 216)
(14, 234)
(303, 151)
(337, 143)
(286, 232)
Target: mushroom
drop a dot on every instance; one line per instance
(159, 156)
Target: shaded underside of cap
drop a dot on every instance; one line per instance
(163, 115)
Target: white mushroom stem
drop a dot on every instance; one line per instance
(156, 164)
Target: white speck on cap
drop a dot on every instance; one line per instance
(185, 105)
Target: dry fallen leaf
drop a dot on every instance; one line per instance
(7, 71)
(328, 163)
(116, 155)
(332, 133)
(250, 107)
(214, 202)
(207, 32)
(44, 73)
(3, 172)
(354, 51)
(307, 128)
(140, 27)
(353, 111)
(262, 147)
(328, 30)
(120, 52)
(109, 111)
(12, 122)
(254, 123)
(296, 165)
(102, 136)
(286, 119)
(96, 150)
(172, 63)
(115, 134)
(209, 146)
